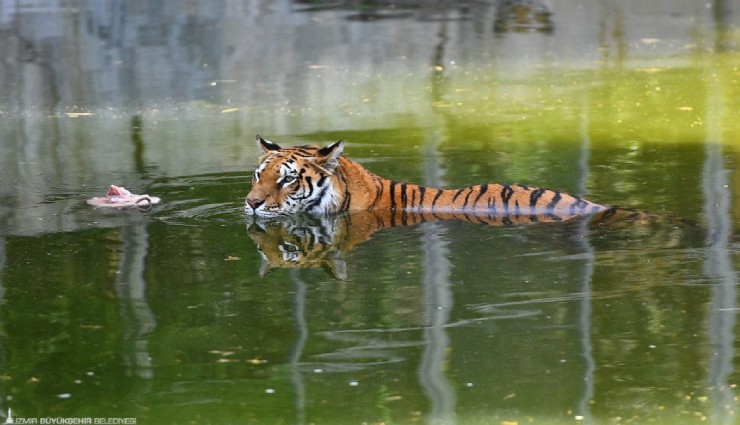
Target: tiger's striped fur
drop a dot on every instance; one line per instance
(322, 181)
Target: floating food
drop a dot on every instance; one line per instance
(119, 197)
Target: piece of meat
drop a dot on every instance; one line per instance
(119, 197)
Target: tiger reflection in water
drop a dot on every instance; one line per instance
(320, 241)
(313, 240)
(308, 241)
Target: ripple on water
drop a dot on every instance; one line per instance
(197, 199)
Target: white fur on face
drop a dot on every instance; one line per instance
(301, 194)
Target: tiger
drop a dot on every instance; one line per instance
(321, 180)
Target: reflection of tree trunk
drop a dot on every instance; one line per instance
(138, 320)
(437, 294)
(436, 279)
(439, 303)
(587, 273)
(523, 16)
(299, 315)
(3, 362)
(612, 39)
(2, 266)
(718, 265)
(137, 129)
(28, 77)
(723, 24)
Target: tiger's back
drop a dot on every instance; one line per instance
(320, 180)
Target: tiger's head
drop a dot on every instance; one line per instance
(288, 181)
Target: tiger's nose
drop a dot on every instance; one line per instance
(254, 203)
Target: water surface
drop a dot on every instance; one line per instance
(184, 314)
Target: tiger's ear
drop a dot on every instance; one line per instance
(328, 156)
(267, 145)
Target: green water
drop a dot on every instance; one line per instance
(181, 315)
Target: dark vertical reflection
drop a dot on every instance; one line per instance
(722, 14)
(3, 360)
(138, 320)
(438, 300)
(718, 265)
(2, 267)
(438, 303)
(584, 319)
(522, 16)
(28, 77)
(131, 281)
(138, 141)
(299, 315)
(611, 33)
